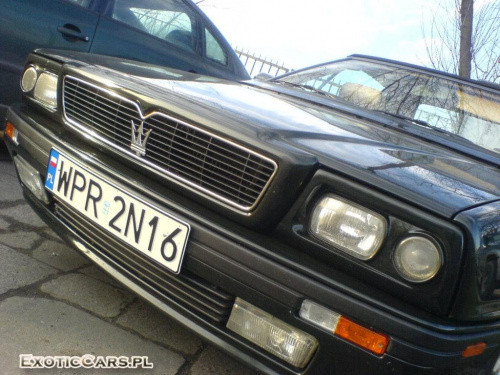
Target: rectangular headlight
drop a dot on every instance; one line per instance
(347, 226)
(277, 337)
(46, 90)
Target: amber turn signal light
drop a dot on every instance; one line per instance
(9, 130)
(372, 341)
(473, 350)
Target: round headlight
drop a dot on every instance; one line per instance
(29, 79)
(418, 259)
(46, 90)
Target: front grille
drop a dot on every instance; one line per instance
(211, 164)
(186, 288)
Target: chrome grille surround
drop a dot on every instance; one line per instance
(212, 165)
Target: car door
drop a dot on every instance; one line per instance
(164, 32)
(29, 24)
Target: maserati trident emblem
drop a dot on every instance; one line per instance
(138, 144)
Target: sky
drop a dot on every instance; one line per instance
(300, 34)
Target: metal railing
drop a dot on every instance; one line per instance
(258, 64)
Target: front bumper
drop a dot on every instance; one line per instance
(221, 264)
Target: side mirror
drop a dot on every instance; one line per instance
(263, 76)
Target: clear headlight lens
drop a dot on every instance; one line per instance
(29, 79)
(46, 90)
(417, 259)
(354, 229)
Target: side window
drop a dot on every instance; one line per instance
(214, 51)
(82, 3)
(170, 20)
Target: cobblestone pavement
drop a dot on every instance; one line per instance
(54, 302)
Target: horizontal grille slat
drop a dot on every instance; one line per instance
(101, 127)
(185, 288)
(235, 193)
(214, 146)
(190, 154)
(218, 152)
(222, 167)
(105, 113)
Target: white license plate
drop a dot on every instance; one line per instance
(144, 227)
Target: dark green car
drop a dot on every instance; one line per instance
(173, 33)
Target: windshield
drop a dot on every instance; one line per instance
(452, 105)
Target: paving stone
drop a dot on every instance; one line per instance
(91, 294)
(19, 240)
(3, 223)
(96, 273)
(19, 270)
(52, 235)
(59, 256)
(214, 362)
(10, 188)
(46, 327)
(24, 214)
(152, 324)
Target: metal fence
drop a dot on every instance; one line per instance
(258, 64)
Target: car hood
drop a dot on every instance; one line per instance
(370, 150)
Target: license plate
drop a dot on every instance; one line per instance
(147, 229)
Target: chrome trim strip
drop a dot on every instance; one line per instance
(206, 192)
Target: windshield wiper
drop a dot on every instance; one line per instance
(407, 118)
(424, 124)
(308, 88)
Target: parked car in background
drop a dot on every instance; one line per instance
(339, 219)
(173, 33)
